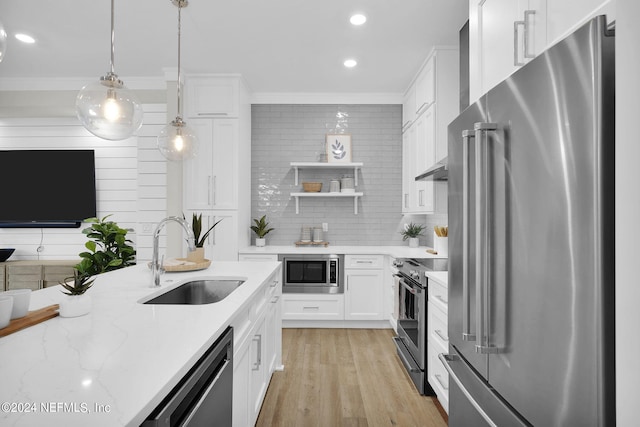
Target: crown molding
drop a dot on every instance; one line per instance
(325, 98)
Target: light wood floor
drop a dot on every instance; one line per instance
(344, 377)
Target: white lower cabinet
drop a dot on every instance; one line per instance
(363, 297)
(257, 352)
(312, 307)
(363, 294)
(437, 340)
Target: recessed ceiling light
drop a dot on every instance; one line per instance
(25, 38)
(350, 63)
(358, 19)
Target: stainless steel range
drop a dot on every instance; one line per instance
(411, 341)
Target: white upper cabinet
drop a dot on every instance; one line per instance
(563, 16)
(212, 96)
(506, 34)
(409, 109)
(211, 177)
(434, 96)
(425, 88)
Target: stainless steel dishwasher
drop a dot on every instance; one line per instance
(204, 396)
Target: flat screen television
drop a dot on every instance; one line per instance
(47, 188)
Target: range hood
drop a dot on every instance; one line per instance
(437, 172)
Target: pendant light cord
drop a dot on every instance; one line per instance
(112, 37)
(179, 42)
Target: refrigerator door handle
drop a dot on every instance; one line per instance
(466, 300)
(482, 237)
(445, 359)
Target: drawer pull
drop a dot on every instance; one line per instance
(311, 307)
(442, 337)
(442, 300)
(439, 379)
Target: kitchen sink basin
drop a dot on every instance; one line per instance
(198, 292)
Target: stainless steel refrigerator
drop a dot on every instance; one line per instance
(531, 242)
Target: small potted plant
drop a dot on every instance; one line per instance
(261, 229)
(197, 256)
(411, 232)
(77, 303)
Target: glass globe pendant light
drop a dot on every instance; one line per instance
(3, 42)
(177, 141)
(106, 108)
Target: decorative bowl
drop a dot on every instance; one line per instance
(5, 253)
(312, 187)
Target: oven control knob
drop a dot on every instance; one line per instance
(398, 263)
(414, 274)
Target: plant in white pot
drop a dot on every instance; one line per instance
(261, 228)
(197, 256)
(76, 303)
(411, 232)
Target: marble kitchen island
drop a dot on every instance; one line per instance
(115, 365)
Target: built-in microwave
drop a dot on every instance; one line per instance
(312, 273)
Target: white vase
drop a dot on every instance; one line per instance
(75, 305)
(413, 242)
(260, 242)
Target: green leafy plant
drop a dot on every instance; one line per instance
(109, 248)
(77, 284)
(412, 230)
(261, 227)
(196, 226)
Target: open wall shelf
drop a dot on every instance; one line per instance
(321, 165)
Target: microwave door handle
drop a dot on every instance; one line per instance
(467, 335)
(483, 200)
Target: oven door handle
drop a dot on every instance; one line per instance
(409, 288)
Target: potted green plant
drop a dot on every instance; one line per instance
(411, 232)
(197, 256)
(77, 303)
(109, 248)
(261, 228)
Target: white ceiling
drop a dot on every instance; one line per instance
(277, 45)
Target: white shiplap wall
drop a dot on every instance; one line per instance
(130, 182)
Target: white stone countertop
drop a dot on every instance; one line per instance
(441, 277)
(394, 251)
(113, 366)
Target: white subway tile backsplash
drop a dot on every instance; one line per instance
(296, 133)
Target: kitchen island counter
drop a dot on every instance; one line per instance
(394, 251)
(114, 366)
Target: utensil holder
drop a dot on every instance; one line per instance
(441, 244)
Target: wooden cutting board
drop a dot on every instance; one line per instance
(32, 318)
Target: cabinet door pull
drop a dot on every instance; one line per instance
(215, 189)
(213, 114)
(527, 33)
(422, 108)
(516, 44)
(258, 338)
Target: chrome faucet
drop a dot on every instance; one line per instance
(156, 267)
